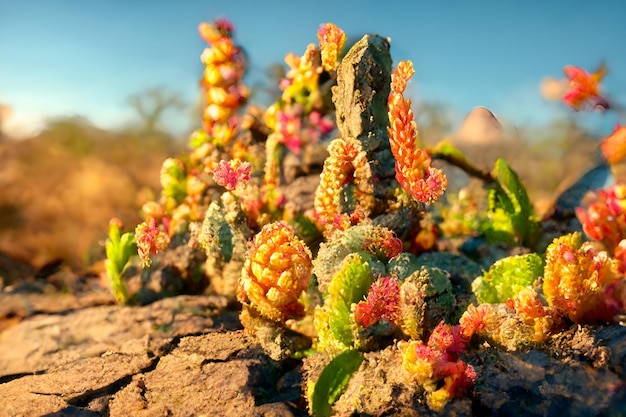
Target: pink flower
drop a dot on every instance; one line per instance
(436, 365)
(232, 173)
(584, 88)
(289, 126)
(324, 124)
(382, 303)
(604, 219)
(447, 339)
(150, 240)
(225, 26)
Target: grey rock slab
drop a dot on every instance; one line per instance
(45, 340)
(69, 384)
(217, 374)
(183, 356)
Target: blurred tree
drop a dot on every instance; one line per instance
(434, 120)
(74, 135)
(151, 105)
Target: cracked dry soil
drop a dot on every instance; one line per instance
(180, 356)
(188, 356)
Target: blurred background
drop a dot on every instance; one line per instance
(95, 95)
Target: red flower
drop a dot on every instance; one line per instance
(150, 239)
(584, 88)
(382, 303)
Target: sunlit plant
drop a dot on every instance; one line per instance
(119, 250)
(346, 276)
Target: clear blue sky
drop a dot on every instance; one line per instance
(61, 57)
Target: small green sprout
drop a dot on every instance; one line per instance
(511, 217)
(119, 249)
(333, 320)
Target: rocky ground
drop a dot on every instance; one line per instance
(183, 356)
(69, 355)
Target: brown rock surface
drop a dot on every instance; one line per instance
(45, 340)
(181, 356)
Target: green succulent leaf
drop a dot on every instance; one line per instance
(216, 235)
(512, 218)
(350, 285)
(118, 249)
(513, 188)
(333, 381)
(507, 277)
(198, 138)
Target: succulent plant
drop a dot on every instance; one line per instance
(575, 278)
(436, 365)
(276, 272)
(372, 275)
(119, 249)
(507, 277)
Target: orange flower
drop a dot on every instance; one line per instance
(584, 88)
(473, 320)
(614, 146)
(413, 170)
(211, 33)
(575, 277)
(401, 76)
(532, 312)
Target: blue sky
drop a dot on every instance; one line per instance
(64, 57)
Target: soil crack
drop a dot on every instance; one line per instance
(83, 400)
(8, 378)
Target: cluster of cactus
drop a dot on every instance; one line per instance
(343, 273)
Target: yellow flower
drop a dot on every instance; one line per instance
(331, 39)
